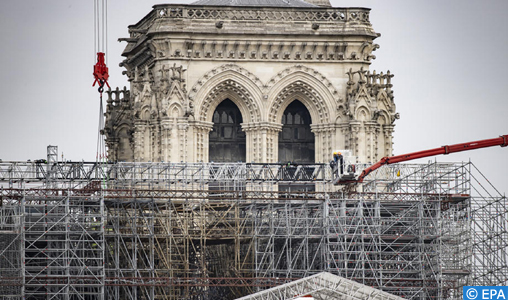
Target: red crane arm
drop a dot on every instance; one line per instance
(500, 141)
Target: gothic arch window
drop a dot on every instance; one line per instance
(296, 140)
(227, 140)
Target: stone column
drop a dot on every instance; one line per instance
(370, 141)
(262, 141)
(270, 133)
(166, 140)
(155, 139)
(174, 140)
(354, 139)
(342, 137)
(378, 153)
(251, 142)
(112, 144)
(183, 127)
(140, 145)
(201, 133)
(388, 144)
(316, 129)
(324, 135)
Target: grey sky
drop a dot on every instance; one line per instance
(447, 57)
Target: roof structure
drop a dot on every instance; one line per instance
(258, 3)
(322, 286)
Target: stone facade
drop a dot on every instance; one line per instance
(182, 61)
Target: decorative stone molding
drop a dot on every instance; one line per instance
(245, 50)
(340, 15)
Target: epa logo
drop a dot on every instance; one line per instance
(471, 293)
(485, 292)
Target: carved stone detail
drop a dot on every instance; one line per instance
(220, 13)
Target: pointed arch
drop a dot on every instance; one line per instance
(342, 116)
(306, 85)
(383, 119)
(305, 93)
(362, 113)
(229, 89)
(227, 82)
(386, 106)
(145, 113)
(175, 110)
(174, 95)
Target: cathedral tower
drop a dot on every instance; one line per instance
(252, 81)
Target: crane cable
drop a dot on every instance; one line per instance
(100, 26)
(100, 73)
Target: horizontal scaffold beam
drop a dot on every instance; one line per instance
(146, 281)
(197, 172)
(163, 195)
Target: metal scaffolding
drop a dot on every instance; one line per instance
(222, 231)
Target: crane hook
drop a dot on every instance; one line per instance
(101, 86)
(100, 72)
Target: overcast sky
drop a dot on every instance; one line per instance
(448, 58)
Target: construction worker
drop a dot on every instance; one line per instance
(339, 161)
(333, 166)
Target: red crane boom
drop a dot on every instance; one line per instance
(500, 141)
